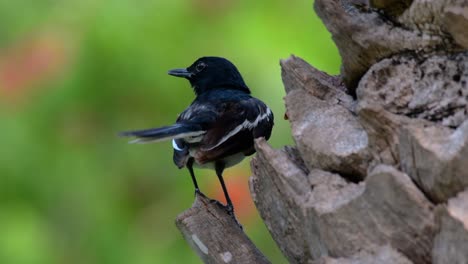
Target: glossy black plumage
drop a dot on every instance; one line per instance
(218, 129)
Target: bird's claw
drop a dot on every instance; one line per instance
(231, 213)
(218, 203)
(229, 210)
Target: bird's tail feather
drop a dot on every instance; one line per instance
(163, 133)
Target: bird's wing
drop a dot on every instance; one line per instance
(237, 117)
(231, 124)
(237, 124)
(201, 114)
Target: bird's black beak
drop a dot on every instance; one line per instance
(180, 73)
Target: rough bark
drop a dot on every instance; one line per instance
(391, 7)
(456, 20)
(432, 87)
(327, 133)
(215, 235)
(381, 255)
(314, 212)
(364, 36)
(451, 242)
(436, 159)
(377, 148)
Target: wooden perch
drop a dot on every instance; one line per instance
(215, 235)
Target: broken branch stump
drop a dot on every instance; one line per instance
(215, 236)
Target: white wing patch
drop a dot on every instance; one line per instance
(175, 146)
(245, 125)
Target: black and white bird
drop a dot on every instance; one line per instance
(218, 129)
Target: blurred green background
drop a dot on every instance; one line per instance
(73, 73)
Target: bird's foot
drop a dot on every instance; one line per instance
(218, 203)
(229, 210)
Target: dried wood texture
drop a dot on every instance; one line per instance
(279, 209)
(364, 35)
(367, 172)
(436, 159)
(381, 255)
(393, 8)
(433, 87)
(326, 130)
(456, 20)
(215, 236)
(451, 242)
(322, 214)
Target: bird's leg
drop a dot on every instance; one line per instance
(190, 168)
(219, 167)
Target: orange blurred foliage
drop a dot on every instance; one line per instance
(237, 183)
(28, 62)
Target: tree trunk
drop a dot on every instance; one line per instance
(379, 173)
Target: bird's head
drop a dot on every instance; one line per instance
(208, 73)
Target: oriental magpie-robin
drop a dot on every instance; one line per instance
(218, 129)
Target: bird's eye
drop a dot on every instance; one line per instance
(200, 66)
